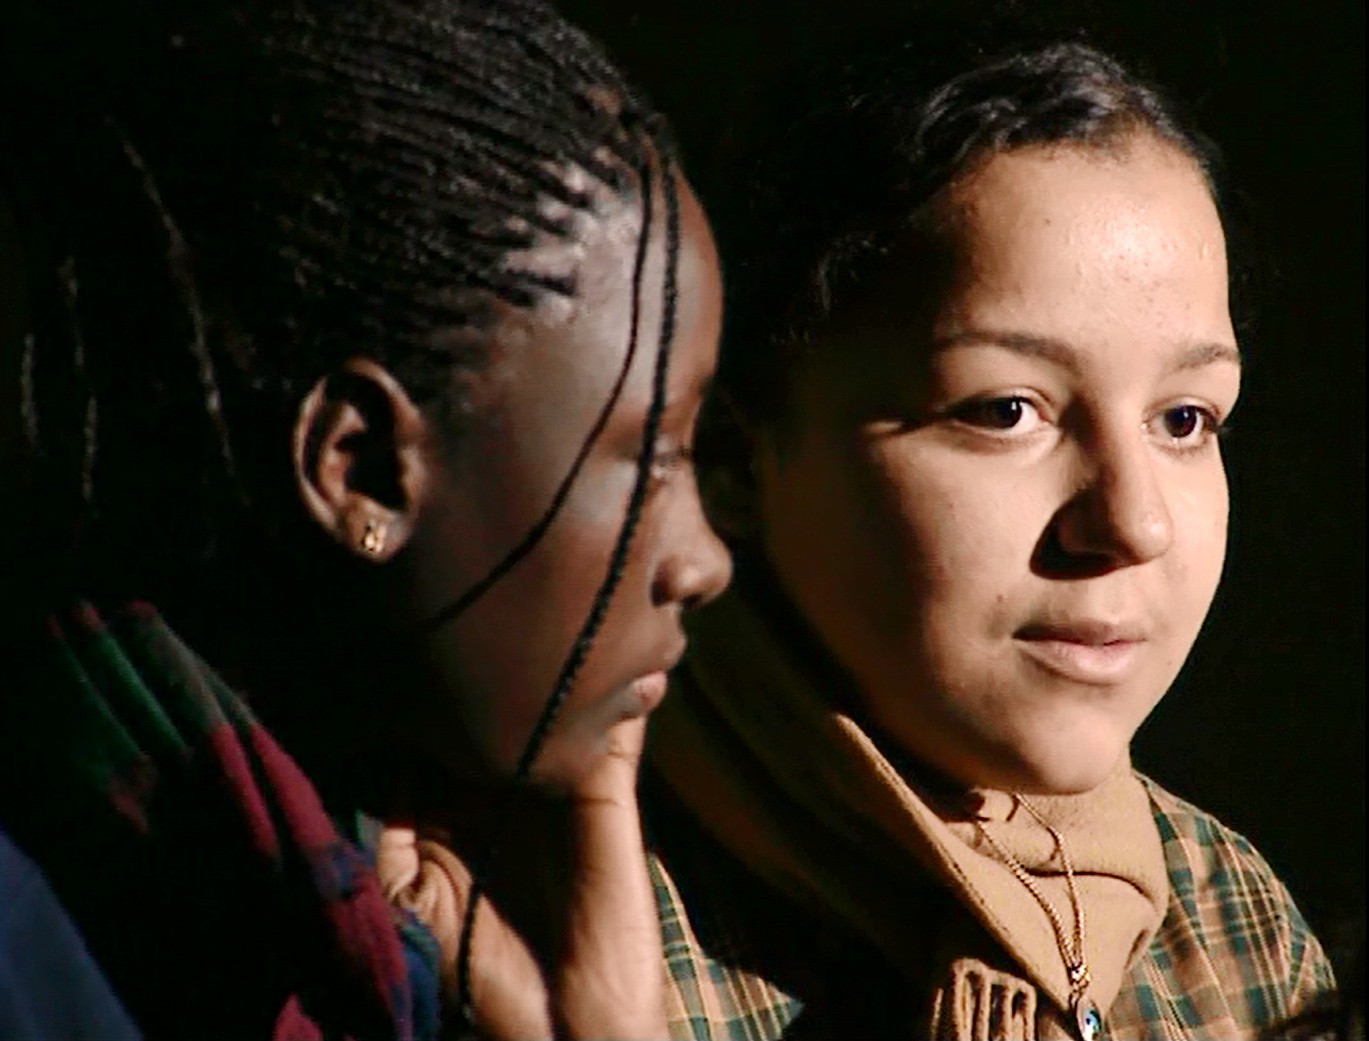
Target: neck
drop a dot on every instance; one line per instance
(334, 680)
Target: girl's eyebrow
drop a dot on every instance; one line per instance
(1058, 352)
(1043, 347)
(1198, 355)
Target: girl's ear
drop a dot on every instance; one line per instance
(725, 452)
(359, 459)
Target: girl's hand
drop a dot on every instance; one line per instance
(507, 990)
(600, 975)
(609, 980)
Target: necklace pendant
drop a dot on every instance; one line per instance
(1088, 1020)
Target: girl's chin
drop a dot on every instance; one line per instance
(1062, 771)
(564, 763)
(1069, 760)
(1063, 748)
(585, 734)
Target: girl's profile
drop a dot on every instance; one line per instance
(353, 395)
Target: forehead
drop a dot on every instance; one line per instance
(1139, 205)
(1099, 247)
(1113, 252)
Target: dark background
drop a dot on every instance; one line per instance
(1265, 727)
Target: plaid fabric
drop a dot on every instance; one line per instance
(706, 997)
(1233, 958)
(191, 850)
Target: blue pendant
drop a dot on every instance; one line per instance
(1087, 1018)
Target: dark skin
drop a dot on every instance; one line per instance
(422, 724)
(425, 518)
(449, 513)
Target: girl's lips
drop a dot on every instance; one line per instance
(1098, 664)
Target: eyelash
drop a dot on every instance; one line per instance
(975, 413)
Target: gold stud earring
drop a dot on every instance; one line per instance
(373, 538)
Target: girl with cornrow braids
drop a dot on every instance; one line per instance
(365, 340)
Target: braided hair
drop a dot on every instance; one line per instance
(264, 190)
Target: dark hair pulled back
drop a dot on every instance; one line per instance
(862, 156)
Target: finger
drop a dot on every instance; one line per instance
(613, 778)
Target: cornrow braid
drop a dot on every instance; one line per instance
(470, 114)
(558, 499)
(395, 156)
(327, 181)
(618, 557)
(178, 263)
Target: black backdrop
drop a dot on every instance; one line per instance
(1266, 725)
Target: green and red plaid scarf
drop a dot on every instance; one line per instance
(196, 857)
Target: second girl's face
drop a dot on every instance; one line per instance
(1007, 517)
(552, 375)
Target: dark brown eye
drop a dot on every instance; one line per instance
(994, 413)
(1182, 422)
(1186, 427)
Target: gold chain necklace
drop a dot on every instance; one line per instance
(1087, 1017)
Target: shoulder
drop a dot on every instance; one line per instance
(717, 984)
(50, 986)
(1210, 863)
(1232, 930)
(1202, 852)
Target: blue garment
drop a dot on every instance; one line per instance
(50, 987)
